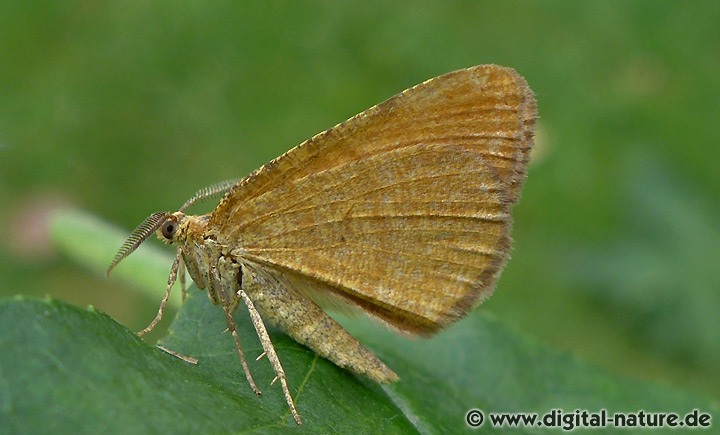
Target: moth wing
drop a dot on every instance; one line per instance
(402, 211)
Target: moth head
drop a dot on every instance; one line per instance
(169, 226)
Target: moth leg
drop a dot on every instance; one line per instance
(177, 264)
(187, 359)
(308, 324)
(171, 281)
(183, 286)
(269, 351)
(228, 308)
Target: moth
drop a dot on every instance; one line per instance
(402, 212)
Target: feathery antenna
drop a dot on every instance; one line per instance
(209, 192)
(139, 235)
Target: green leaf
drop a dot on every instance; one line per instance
(67, 369)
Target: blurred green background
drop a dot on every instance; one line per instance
(122, 109)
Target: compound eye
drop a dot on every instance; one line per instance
(168, 229)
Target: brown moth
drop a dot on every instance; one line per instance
(402, 212)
